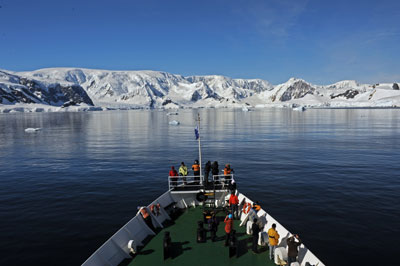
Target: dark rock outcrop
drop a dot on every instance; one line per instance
(349, 94)
(395, 86)
(195, 96)
(298, 89)
(75, 93)
(69, 103)
(167, 101)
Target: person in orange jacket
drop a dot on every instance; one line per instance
(234, 202)
(196, 171)
(228, 173)
(256, 206)
(273, 237)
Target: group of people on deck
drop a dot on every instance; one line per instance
(209, 167)
(257, 226)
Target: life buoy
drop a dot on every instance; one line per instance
(246, 208)
(201, 197)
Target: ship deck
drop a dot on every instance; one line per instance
(186, 251)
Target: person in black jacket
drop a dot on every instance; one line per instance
(207, 169)
(255, 230)
(215, 170)
(293, 242)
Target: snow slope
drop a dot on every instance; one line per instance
(154, 89)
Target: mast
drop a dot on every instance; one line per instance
(200, 164)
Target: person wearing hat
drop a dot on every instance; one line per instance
(228, 227)
(293, 242)
(228, 173)
(196, 171)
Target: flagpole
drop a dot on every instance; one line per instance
(198, 125)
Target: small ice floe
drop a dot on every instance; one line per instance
(245, 109)
(299, 108)
(31, 129)
(172, 113)
(174, 123)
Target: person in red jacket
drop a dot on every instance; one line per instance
(228, 228)
(234, 202)
(147, 218)
(173, 175)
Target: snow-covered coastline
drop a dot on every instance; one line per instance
(76, 89)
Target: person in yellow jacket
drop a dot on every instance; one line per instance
(273, 237)
(183, 171)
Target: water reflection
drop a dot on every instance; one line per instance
(316, 171)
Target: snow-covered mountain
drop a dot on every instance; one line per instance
(153, 89)
(23, 89)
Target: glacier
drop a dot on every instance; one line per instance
(80, 89)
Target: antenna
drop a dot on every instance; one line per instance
(200, 164)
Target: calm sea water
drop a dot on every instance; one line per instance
(332, 176)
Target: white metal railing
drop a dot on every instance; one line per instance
(194, 182)
(115, 249)
(222, 179)
(305, 255)
(197, 182)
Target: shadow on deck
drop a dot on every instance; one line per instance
(186, 251)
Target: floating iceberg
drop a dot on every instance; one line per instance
(174, 123)
(31, 130)
(245, 109)
(299, 108)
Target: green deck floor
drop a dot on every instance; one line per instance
(189, 252)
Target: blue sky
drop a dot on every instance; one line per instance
(319, 41)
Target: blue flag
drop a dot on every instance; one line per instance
(196, 132)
